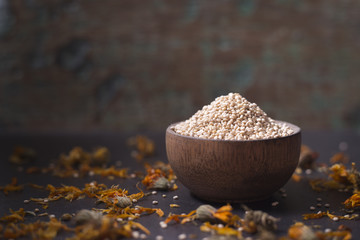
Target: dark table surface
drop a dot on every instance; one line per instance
(49, 146)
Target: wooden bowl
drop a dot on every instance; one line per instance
(232, 170)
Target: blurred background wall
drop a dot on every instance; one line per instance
(134, 65)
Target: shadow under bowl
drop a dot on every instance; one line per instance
(233, 170)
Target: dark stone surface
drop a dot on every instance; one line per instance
(297, 59)
(290, 209)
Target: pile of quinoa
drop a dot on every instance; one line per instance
(232, 117)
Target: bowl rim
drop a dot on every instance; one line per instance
(296, 129)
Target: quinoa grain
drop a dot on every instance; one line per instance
(232, 117)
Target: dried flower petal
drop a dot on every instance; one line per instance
(145, 147)
(111, 171)
(159, 177)
(224, 214)
(33, 169)
(353, 201)
(299, 231)
(342, 178)
(14, 217)
(12, 187)
(207, 213)
(339, 157)
(176, 217)
(70, 193)
(227, 231)
(314, 215)
(296, 177)
(100, 156)
(323, 185)
(22, 155)
(331, 216)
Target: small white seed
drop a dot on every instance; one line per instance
(182, 236)
(163, 224)
(135, 234)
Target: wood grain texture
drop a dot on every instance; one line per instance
(227, 171)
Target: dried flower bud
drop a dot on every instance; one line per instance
(161, 184)
(307, 157)
(205, 213)
(123, 202)
(165, 168)
(85, 216)
(261, 219)
(301, 231)
(66, 217)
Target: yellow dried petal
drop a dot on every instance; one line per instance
(139, 226)
(159, 212)
(314, 215)
(224, 230)
(353, 201)
(14, 217)
(12, 187)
